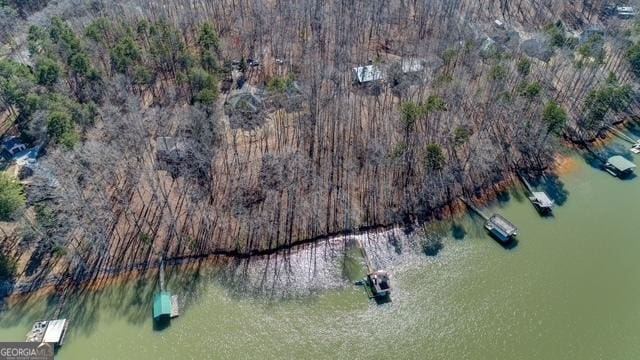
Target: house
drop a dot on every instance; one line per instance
(12, 146)
(619, 166)
(625, 12)
(367, 74)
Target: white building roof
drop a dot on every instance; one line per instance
(55, 331)
(543, 199)
(367, 73)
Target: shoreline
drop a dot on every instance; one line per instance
(18, 291)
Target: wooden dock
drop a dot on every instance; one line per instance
(175, 307)
(540, 199)
(475, 209)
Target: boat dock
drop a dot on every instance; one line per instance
(635, 143)
(377, 281)
(48, 331)
(619, 166)
(497, 225)
(165, 305)
(540, 199)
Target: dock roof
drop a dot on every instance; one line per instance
(620, 163)
(542, 199)
(503, 224)
(161, 304)
(55, 331)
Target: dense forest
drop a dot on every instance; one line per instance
(173, 129)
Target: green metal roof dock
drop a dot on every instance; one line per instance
(619, 166)
(162, 305)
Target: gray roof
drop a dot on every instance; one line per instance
(620, 163)
(367, 73)
(542, 199)
(503, 224)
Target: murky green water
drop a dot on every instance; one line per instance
(569, 290)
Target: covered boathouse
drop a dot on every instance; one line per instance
(48, 331)
(619, 166)
(162, 306)
(501, 228)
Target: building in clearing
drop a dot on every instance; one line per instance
(367, 74)
(48, 331)
(11, 147)
(625, 12)
(619, 166)
(501, 228)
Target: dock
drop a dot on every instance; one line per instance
(619, 166)
(474, 209)
(165, 305)
(175, 307)
(48, 331)
(377, 281)
(540, 199)
(497, 225)
(635, 143)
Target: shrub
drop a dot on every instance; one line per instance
(47, 71)
(633, 55)
(280, 84)
(461, 135)
(12, 197)
(61, 129)
(530, 91)
(434, 157)
(555, 117)
(555, 32)
(498, 72)
(524, 67)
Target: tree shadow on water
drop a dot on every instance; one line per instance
(458, 231)
(555, 188)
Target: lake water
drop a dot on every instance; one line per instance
(570, 289)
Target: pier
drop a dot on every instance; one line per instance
(377, 281)
(635, 143)
(540, 199)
